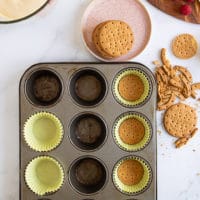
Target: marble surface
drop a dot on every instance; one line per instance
(54, 35)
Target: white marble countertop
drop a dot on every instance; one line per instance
(54, 35)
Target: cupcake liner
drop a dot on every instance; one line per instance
(145, 80)
(147, 136)
(43, 132)
(44, 175)
(137, 188)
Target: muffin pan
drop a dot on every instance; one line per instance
(89, 161)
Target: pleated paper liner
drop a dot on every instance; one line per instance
(43, 132)
(44, 175)
(139, 187)
(145, 80)
(147, 135)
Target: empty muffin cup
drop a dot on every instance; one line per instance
(132, 87)
(87, 175)
(132, 175)
(43, 132)
(44, 87)
(88, 87)
(88, 131)
(44, 175)
(132, 131)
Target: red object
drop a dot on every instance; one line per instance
(190, 1)
(186, 9)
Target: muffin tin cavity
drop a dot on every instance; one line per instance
(44, 199)
(43, 132)
(132, 175)
(88, 175)
(132, 131)
(43, 87)
(44, 175)
(88, 87)
(88, 131)
(132, 87)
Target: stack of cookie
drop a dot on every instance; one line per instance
(113, 38)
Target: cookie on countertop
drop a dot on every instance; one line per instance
(180, 120)
(184, 46)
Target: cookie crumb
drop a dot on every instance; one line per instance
(159, 132)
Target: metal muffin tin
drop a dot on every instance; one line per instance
(67, 109)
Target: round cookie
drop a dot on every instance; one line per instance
(131, 131)
(131, 87)
(116, 38)
(184, 46)
(180, 120)
(88, 88)
(130, 172)
(95, 39)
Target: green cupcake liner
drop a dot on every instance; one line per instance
(137, 188)
(147, 136)
(43, 132)
(145, 80)
(44, 175)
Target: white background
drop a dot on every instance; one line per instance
(54, 35)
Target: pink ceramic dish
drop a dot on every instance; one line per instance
(130, 11)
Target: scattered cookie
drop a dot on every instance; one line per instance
(130, 172)
(176, 82)
(113, 38)
(173, 82)
(180, 121)
(195, 86)
(184, 46)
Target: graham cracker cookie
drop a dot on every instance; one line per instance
(131, 131)
(194, 87)
(184, 71)
(180, 120)
(184, 46)
(116, 38)
(131, 87)
(173, 82)
(130, 172)
(95, 39)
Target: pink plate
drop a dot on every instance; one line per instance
(130, 11)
